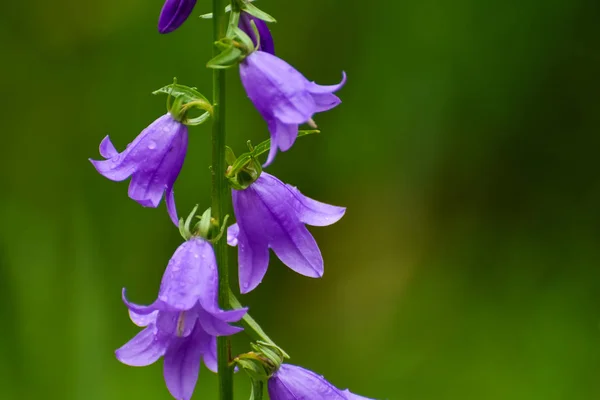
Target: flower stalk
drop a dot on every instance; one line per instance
(220, 196)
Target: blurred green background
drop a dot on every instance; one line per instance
(465, 150)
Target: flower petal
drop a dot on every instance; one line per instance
(174, 13)
(144, 349)
(272, 124)
(171, 208)
(107, 149)
(314, 212)
(297, 249)
(286, 135)
(191, 276)
(288, 237)
(315, 88)
(283, 137)
(232, 235)
(217, 326)
(326, 101)
(253, 261)
(276, 88)
(143, 320)
(295, 383)
(179, 324)
(117, 167)
(145, 194)
(253, 247)
(181, 366)
(159, 158)
(210, 355)
(139, 309)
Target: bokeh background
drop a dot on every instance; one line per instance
(466, 151)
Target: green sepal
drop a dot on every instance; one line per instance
(243, 172)
(230, 55)
(246, 169)
(244, 38)
(202, 227)
(176, 90)
(185, 227)
(261, 363)
(216, 233)
(186, 98)
(253, 366)
(273, 353)
(229, 155)
(257, 12)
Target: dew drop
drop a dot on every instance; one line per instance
(151, 145)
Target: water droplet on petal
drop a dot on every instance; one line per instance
(151, 145)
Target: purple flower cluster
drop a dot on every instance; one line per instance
(182, 324)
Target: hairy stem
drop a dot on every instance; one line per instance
(220, 198)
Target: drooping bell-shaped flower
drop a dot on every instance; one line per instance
(291, 382)
(271, 214)
(284, 97)
(184, 321)
(153, 160)
(174, 13)
(266, 42)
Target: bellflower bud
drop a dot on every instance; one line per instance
(174, 13)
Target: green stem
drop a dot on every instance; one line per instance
(220, 198)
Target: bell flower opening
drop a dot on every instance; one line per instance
(173, 14)
(153, 161)
(182, 324)
(271, 214)
(284, 97)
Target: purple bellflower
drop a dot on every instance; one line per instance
(284, 97)
(266, 39)
(174, 13)
(153, 160)
(271, 214)
(183, 322)
(291, 382)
